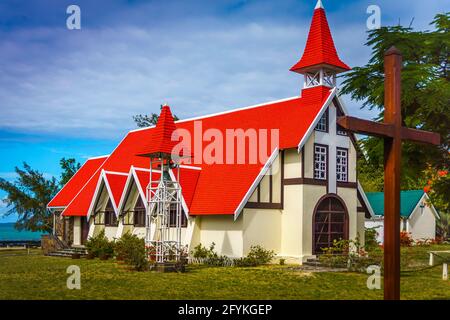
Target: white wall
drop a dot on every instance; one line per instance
(422, 223)
(379, 225)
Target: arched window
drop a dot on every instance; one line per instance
(330, 222)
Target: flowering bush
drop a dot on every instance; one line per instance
(438, 189)
(405, 239)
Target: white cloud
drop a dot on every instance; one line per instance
(90, 83)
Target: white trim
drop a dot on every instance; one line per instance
(99, 157)
(138, 186)
(87, 213)
(146, 170)
(342, 103)
(94, 197)
(183, 166)
(110, 193)
(183, 203)
(74, 176)
(225, 112)
(319, 5)
(116, 173)
(255, 183)
(422, 199)
(54, 208)
(316, 119)
(132, 177)
(101, 167)
(366, 201)
(125, 189)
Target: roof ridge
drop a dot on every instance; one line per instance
(210, 115)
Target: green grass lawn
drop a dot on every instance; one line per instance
(40, 277)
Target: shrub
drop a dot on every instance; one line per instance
(405, 239)
(282, 262)
(131, 249)
(257, 256)
(99, 246)
(209, 256)
(371, 241)
(201, 252)
(349, 254)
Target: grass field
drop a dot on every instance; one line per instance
(40, 277)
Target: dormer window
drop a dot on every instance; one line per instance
(106, 217)
(322, 125)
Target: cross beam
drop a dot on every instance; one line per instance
(385, 130)
(393, 133)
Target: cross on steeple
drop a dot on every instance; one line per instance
(393, 133)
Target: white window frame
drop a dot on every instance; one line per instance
(320, 162)
(322, 124)
(341, 164)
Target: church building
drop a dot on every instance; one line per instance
(296, 201)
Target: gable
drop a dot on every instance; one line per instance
(219, 188)
(79, 179)
(408, 201)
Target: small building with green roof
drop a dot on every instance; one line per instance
(418, 216)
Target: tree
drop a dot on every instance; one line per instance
(425, 97)
(438, 189)
(143, 121)
(29, 195)
(69, 167)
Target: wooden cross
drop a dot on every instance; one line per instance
(393, 133)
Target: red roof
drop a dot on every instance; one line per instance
(216, 188)
(319, 49)
(143, 177)
(116, 184)
(66, 194)
(162, 141)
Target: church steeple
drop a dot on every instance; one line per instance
(320, 62)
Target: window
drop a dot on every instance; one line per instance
(320, 161)
(173, 217)
(341, 164)
(339, 130)
(110, 219)
(139, 213)
(330, 223)
(322, 125)
(99, 217)
(106, 217)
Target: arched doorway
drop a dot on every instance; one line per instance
(330, 222)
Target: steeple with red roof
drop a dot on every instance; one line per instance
(320, 62)
(161, 142)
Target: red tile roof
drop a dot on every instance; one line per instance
(216, 188)
(319, 49)
(67, 193)
(162, 140)
(116, 183)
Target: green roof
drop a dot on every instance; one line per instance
(408, 201)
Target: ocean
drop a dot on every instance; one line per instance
(8, 233)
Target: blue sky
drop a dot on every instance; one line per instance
(73, 93)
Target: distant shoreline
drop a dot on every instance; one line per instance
(9, 235)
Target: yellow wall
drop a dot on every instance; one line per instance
(223, 231)
(261, 227)
(292, 164)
